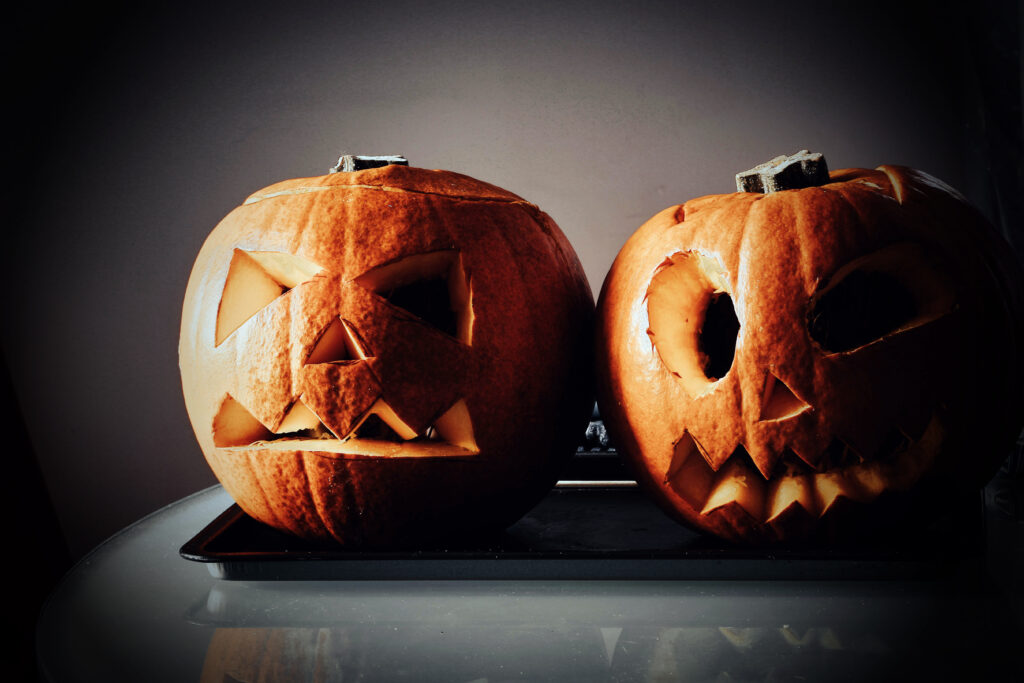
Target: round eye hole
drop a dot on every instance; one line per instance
(877, 296)
(692, 320)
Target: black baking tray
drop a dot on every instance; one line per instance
(587, 530)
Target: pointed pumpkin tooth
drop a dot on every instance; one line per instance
(865, 446)
(829, 640)
(813, 462)
(792, 637)
(742, 638)
(715, 453)
(298, 417)
(740, 483)
(764, 458)
(903, 471)
(234, 425)
(872, 478)
(689, 475)
(786, 491)
(839, 454)
(831, 486)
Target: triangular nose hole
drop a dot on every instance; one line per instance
(337, 343)
(432, 286)
(778, 401)
(254, 280)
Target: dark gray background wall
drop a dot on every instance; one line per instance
(135, 130)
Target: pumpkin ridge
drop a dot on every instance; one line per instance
(315, 495)
(308, 488)
(254, 466)
(353, 522)
(739, 258)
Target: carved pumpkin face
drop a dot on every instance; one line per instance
(767, 359)
(386, 354)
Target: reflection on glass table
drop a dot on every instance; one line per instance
(136, 610)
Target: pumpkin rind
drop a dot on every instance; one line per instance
(934, 377)
(524, 375)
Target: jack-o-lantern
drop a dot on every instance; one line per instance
(773, 363)
(386, 355)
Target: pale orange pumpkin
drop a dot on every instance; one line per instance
(384, 356)
(766, 360)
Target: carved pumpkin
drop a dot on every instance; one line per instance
(390, 355)
(768, 360)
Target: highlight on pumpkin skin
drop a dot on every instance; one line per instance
(254, 280)
(432, 286)
(815, 492)
(380, 433)
(877, 296)
(691, 320)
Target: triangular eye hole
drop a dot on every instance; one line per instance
(254, 280)
(887, 292)
(431, 286)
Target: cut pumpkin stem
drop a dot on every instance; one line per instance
(348, 163)
(785, 172)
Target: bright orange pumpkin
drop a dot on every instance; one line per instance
(385, 356)
(767, 360)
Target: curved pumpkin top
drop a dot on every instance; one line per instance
(394, 177)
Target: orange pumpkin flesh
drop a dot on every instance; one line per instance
(765, 360)
(386, 356)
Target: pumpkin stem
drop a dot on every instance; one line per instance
(803, 169)
(352, 162)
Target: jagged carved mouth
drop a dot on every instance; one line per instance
(432, 288)
(379, 433)
(794, 487)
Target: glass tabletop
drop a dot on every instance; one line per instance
(135, 609)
